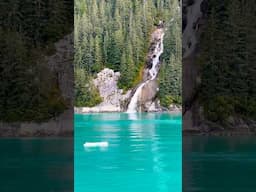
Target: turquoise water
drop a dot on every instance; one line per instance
(219, 164)
(144, 153)
(36, 165)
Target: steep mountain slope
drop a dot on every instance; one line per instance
(30, 89)
(116, 34)
(220, 70)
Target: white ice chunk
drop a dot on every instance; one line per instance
(96, 144)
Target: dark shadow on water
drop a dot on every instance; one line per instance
(219, 164)
(36, 165)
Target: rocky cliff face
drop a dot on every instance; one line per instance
(194, 17)
(112, 96)
(195, 13)
(61, 64)
(149, 101)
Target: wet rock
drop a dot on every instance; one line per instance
(149, 91)
(154, 106)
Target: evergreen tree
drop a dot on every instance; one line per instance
(29, 90)
(227, 57)
(120, 31)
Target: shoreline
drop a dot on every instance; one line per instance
(61, 126)
(88, 110)
(228, 132)
(114, 109)
(186, 133)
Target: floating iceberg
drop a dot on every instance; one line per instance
(96, 144)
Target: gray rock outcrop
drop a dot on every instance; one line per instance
(106, 83)
(61, 65)
(194, 18)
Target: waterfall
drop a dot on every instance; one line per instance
(132, 107)
(158, 35)
(156, 57)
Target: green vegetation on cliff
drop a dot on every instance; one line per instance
(29, 90)
(116, 34)
(170, 78)
(227, 60)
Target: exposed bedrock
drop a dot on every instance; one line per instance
(194, 19)
(149, 91)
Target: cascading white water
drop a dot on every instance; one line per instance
(157, 52)
(132, 107)
(153, 71)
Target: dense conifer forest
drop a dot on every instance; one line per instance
(28, 31)
(227, 60)
(115, 34)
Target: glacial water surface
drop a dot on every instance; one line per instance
(36, 165)
(143, 152)
(219, 164)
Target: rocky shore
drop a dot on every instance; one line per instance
(61, 126)
(232, 127)
(97, 109)
(115, 99)
(112, 109)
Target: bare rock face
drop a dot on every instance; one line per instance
(113, 97)
(106, 83)
(61, 64)
(147, 100)
(154, 106)
(194, 17)
(149, 91)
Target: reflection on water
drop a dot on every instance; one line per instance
(144, 153)
(36, 165)
(219, 164)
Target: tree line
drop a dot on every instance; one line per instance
(116, 34)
